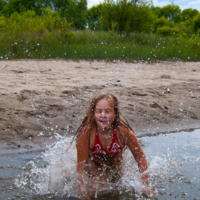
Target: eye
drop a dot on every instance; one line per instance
(108, 111)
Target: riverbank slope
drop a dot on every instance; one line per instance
(42, 100)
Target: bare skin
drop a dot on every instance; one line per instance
(94, 166)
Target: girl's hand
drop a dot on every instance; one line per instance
(147, 192)
(88, 197)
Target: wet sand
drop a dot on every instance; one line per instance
(41, 100)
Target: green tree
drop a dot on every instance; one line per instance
(107, 15)
(186, 25)
(171, 12)
(66, 8)
(140, 19)
(125, 15)
(73, 10)
(122, 14)
(80, 19)
(156, 10)
(196, 23)
(189, 13)
(24, 5)
(2, 4)
(93, 16)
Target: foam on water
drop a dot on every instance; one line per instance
(58, 173)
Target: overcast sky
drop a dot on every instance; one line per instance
(182, 3)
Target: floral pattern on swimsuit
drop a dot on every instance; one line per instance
(114, 148)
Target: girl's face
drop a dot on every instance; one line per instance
(104, 114)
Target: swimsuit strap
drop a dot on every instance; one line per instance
(114, 133)
(96, 133)
(98, 147)
(115, 138)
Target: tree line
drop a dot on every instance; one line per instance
(121, 16)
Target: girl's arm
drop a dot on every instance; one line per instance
(82, 158)
(136, 150)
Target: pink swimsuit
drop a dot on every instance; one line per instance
(114, 148)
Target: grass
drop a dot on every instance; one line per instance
(107, 46)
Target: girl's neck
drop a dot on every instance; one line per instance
(105, 131)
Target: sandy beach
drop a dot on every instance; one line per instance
(43, 100)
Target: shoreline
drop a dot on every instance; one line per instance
(6, 151)
(41, 100)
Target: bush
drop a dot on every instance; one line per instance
(186, 27)
(198, 32)
(182, 34)
(19, 24)
(161, 22)
(2, 22)
(167, 31)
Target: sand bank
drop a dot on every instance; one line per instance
(41, 100)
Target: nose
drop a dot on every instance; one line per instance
(103, 114)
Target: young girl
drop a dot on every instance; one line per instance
(103, 137)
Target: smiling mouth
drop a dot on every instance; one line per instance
(103, 121)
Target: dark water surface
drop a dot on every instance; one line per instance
(181, 152)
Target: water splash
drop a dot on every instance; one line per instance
(57, 175)
(58, 171)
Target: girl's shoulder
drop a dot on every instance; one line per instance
(124, 128)
(83, 136)
(85, 131)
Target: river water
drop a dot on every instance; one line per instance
(173, 158)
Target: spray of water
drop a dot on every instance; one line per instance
(57, 175)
